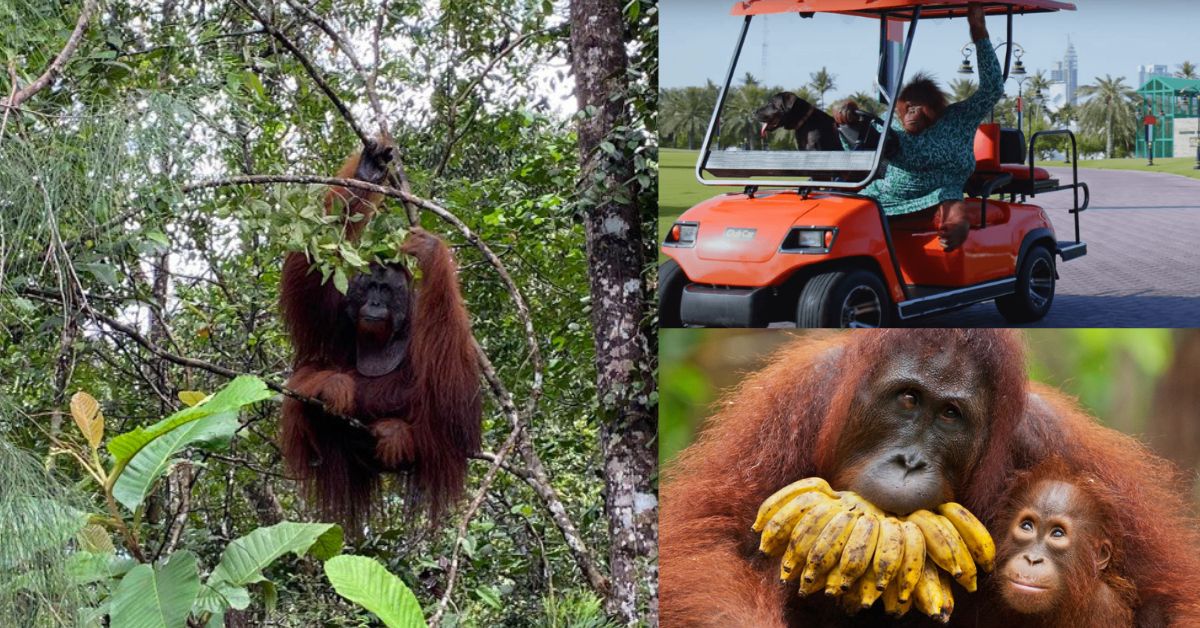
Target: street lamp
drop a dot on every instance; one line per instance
(1018, 70)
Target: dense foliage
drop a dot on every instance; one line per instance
(119, 280)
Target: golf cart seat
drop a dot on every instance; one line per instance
(1002, 151)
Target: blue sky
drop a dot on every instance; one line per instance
(1111, 37)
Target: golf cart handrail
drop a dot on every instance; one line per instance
(821, 161)
(896, 9)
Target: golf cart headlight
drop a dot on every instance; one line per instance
(809, 240)
(682, 234)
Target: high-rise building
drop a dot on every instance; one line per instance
(1147, 72)
(1070, 71)
(1066, 73)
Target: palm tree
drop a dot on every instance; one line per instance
(961, 89)
(867, 102)
(806, 93)
(1187, 70)
(686, 111)
(1035, 92)
(738, 118)
(1111, 109)
(822, 82)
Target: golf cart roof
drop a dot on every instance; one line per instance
(896, 9)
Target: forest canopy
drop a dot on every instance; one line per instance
(157, 162)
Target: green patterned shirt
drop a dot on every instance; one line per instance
(934, 165)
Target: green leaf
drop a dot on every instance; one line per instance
(151, 461)
(245, 558)
(220, 598)
(367, 583)
(352, 258)
(340, 281)
(243, 390)
(157, 598)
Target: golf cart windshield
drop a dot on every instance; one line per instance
(838, 168)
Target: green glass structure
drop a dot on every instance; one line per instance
(1168, 98)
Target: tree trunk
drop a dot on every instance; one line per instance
(1108, 138)
(624, 364)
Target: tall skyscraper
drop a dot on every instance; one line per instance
(1147, 72)
(1070, 70)
(1066, 74)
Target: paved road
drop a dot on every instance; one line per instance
(1143, 263)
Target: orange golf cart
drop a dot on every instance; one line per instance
(795, 242)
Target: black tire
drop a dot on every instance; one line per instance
(844, 298)
(1035, 288)
(671, 281)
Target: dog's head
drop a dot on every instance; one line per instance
(783, 110)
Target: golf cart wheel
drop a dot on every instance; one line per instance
(671, 281)
(844, 298)
(1035, 288)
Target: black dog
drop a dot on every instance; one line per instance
(815, 129)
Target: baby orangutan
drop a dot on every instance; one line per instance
(1060, 559)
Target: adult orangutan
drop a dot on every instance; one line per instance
(397, 357)
(908, 419)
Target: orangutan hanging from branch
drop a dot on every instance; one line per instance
(393, 353)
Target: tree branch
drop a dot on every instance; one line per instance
(59, 61)
(216, 369)
(309, 67)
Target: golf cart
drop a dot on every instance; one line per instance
(797, 242)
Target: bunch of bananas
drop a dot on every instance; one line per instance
(838, 542)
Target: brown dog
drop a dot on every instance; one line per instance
(814, 129)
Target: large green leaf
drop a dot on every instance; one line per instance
(157, 598)
(245, 558)
(243, 390)
(152, 461)
(367, 583)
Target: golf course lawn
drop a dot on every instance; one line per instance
(1185, 166)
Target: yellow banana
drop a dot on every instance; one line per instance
(928, 595)
(856, 556)
(962, 556)
(888, 552)
(775, 534)
(856, 502)
(863, 591)
(804, 535)
(828, 547)
(780, 498)
(947, 597)
(891, 599)
(974, 535)
(939, 543)
(808, 588)
(913, 561)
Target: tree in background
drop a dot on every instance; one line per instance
(961, 89)
(686, 112)
(1187, 70)
(1110, 111)
(822, 82)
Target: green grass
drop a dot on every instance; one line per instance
(1176, 165)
